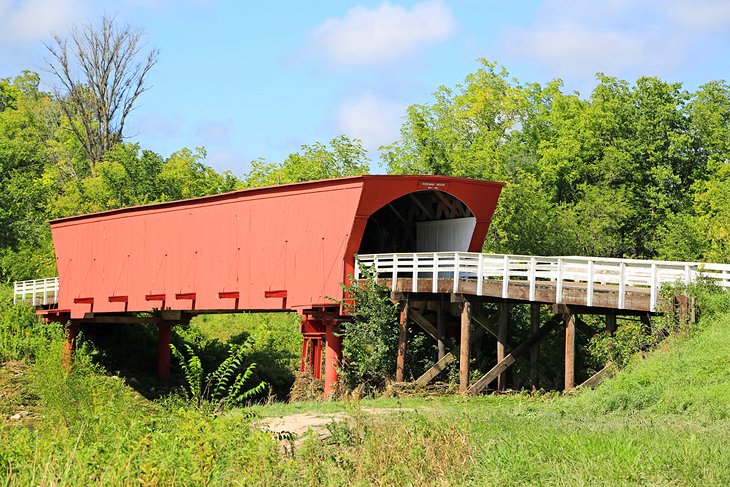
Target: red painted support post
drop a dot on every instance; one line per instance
(164, 335)
(316, 359)
(333, 356)
(72, 331)
(305, 355)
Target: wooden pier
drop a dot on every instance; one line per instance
(571, 286)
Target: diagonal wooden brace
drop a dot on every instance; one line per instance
(503, 365)
(423, 323)
(437, 368)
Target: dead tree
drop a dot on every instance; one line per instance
(101, 70)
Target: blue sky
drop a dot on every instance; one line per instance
(259, 79)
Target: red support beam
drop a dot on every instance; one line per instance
(316, 358)
(72, 332)
(164, 336)
(333, 357)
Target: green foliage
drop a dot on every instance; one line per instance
(370, 338)
(222, 387)
(274, 340)
(341, 157)
(193, 371)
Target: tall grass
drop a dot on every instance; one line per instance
(663, 421)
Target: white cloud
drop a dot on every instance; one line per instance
(619, 37)
(157, 125)
(383, 34)
(700, 14)
(226, 161)
(33, 20)
(575, 50)
(215, 132)
(371, 118)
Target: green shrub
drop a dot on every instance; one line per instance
(370, 339)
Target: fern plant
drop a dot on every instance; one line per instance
(193, 370)
(224, 386)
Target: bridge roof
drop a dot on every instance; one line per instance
(244, 193)
(280, 247)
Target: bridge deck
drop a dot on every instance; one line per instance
(575, 294)
(621, 284)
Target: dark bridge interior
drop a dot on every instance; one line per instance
(398, 226)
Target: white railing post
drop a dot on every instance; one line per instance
(589, 298)
(559, 283)
(653, 284)
(621, 285)
(394, 273)
(357, 268)
(687, 275)
(531, 277)
(505, 277)
(456, 272)
(414, 281)
(480, 276)
(435, 275)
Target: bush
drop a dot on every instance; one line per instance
(370, 339)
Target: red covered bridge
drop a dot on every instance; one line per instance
(286, 247)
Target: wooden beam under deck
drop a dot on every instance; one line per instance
(605, 297)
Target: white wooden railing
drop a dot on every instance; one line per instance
(621, 273)
(39, 292)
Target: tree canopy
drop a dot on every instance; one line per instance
(632, 170)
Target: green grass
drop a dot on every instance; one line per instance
(665, 420)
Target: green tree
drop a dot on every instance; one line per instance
(341, 157)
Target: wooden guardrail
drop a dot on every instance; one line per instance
(623, 274)
(37, 292)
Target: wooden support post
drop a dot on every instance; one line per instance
(502, 338)
(400, 364)
(441, 329)
(569, 320)
(611, 323)
(164, 337)
(503, 365)
(535, 349)
(72, 332)
(464, 348)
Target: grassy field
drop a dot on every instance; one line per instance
(665, 420)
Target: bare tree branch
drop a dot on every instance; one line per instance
(101, 73)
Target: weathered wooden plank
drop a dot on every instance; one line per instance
(603, 374)
(502, 337)
(486, 322)
(569, 350)
(441, 329)
(423, 323)
(437, 368)
(487, 378)
(402, 339)
(464, 350)
(604, 296)
(535, 349)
